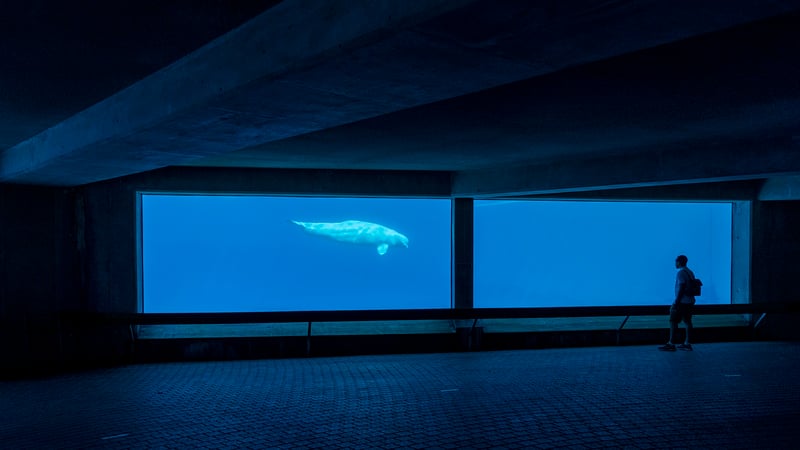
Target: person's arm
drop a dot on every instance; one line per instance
(680, 294)
(682, 279)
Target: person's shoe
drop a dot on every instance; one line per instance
(667, 348)
(687, 347)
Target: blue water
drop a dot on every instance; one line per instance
(243, 253)
(561, 253)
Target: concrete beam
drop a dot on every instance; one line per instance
(662, 96)
(305, 65)
(111, 139)
(679, 164)
(781, 188)
(740, 190)
(206, 180)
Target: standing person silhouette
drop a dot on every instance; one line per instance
(681, 308)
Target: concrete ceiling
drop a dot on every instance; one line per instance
(59, 58)
(515, 97)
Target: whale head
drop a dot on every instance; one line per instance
(396, 238)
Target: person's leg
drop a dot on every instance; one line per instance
(686, 313)
(673, 329)
(674, 318)
(689, 328)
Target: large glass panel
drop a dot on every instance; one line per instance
(257, 253)
(571, 253)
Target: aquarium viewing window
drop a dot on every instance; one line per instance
(581, 253)
(228, 253)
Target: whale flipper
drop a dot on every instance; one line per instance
(382, 249)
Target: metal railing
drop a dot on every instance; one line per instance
(420, 314)
(464, 319)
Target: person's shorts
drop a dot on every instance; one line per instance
(681, 311)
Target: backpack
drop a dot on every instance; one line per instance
(694, 286)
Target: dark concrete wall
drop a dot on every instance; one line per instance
(40, 272)
(776, 251)
(109, 210)
(38, 258)
(775, 273)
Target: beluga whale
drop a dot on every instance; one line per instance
(357, 232)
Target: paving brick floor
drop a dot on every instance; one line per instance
(724, 395)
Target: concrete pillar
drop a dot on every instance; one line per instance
(740, 252)
(469, 336)
(462, 253)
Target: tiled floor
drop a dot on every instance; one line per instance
(726, 395)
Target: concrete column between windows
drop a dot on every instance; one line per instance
(741, 252)
(462, 292)
(462, 253)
